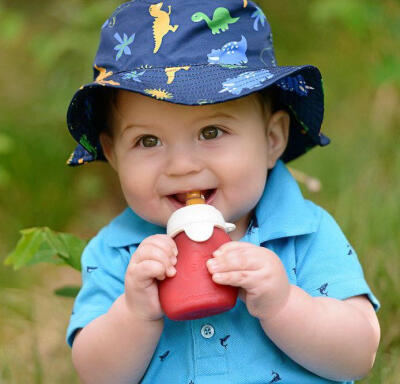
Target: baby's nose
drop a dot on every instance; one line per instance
(183, 160)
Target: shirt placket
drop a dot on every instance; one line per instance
(210, 356)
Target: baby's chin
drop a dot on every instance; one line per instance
(158, 220)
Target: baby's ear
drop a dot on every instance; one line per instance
(277, 135)
(107, 146)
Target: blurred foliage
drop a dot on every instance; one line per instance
(377, 24)
(5, 148)
(68, 291)
(42, 245)
(50, 47)
(47, 52)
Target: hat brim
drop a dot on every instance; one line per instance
(300, 90)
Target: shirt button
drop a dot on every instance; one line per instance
(207, 331)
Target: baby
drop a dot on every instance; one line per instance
(188, 96)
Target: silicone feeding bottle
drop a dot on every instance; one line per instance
(198, 230)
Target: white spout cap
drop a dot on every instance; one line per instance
(198, 222)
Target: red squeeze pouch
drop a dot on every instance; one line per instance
(198, 230)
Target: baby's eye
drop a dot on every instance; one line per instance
(210, 132)
(149, 141)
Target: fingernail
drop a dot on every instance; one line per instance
(171, 271)
(217, 252)
(217, 276)
(212, 264)
(176, 251)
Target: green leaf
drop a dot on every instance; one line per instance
(74, 246)
(27, 247)
(43, 245)
(67, 291)
(44, 255)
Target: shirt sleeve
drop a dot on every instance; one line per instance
(327, 265)
(103, 274)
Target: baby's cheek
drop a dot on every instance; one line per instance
(249, 185)
(136, 189)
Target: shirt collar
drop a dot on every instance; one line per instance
(128, 229)
(281, 212)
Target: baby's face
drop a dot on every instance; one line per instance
(161, 150)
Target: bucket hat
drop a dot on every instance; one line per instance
(194, 53)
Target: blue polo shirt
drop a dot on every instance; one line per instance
(230, 347)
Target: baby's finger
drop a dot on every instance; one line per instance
(243, 279)
(236, 260)
(142, 275)
(145, 272)
(166, 246)
(231, 246)
(153, 252)
(164, 242)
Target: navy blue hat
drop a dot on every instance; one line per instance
(193, 53)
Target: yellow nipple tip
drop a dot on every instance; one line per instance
(194, 197)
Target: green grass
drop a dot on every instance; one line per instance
(359, 171)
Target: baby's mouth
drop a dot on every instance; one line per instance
(179, 199)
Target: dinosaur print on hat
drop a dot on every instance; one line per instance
(233, 52)
(220, 21)
(102, 76)
(133, 75)
(246, 80)
(85, 142)
(161, 24)
(170, 72)
(295, 84)
(159, 94)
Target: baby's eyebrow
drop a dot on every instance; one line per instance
(218, 115)
(130, 127)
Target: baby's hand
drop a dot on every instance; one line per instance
(259, 273)
(153, 260)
